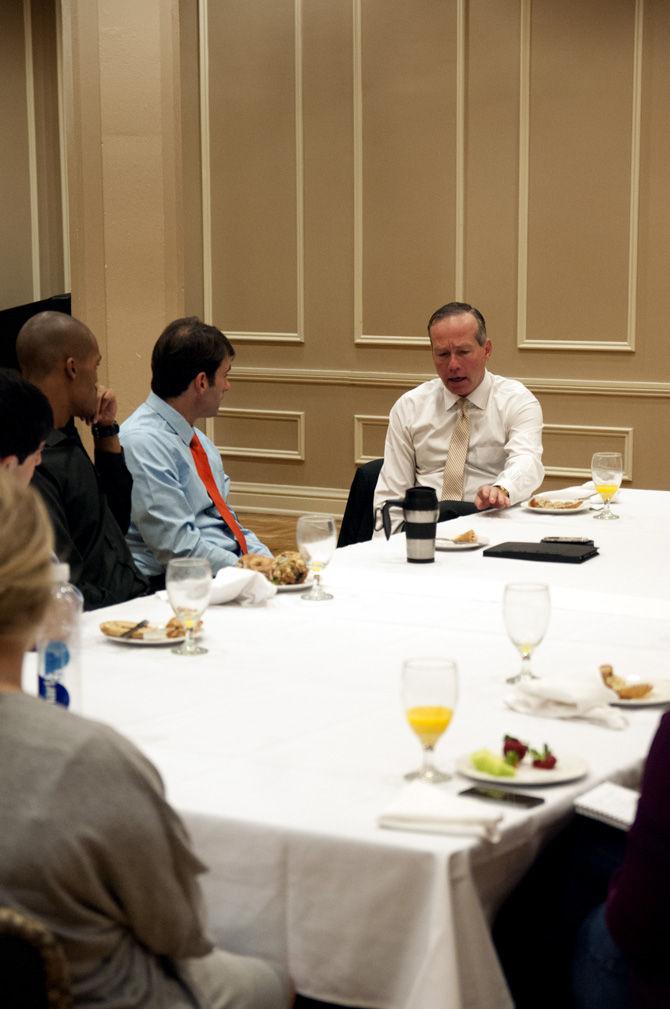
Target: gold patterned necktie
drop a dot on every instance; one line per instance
(454, 470)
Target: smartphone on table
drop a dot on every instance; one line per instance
(494, 794)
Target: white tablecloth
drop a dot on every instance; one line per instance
(283, 744)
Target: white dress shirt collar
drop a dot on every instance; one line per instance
(479, 397)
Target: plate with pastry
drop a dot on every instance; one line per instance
(298, 586)
(556, 505)
(635, 692)
(287, 570)
(468, 540)
(133, 632)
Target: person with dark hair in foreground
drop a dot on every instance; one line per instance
(180, 489)
(89, 845)
(25, 422)
(475, 437)
(89, 503)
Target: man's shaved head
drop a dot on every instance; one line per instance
(47, 339)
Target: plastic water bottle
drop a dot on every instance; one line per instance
(59, 672)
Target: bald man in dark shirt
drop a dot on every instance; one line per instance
(89, 503)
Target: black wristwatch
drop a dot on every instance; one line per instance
(105, 430)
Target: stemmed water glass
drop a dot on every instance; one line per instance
(429, 693)
(316, 539)
(526, 609)
(607, 473)
(189, 585)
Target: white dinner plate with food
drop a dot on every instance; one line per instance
(660, 694)
(148, 641)
(300, 587)
(444, 543)
(568, 768)
(149, 635)
(556, 506)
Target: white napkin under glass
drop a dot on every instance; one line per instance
(248, 588)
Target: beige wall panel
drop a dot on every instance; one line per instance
(329, 189)
(81, 80)
(16, 274)
(331, 444)
(190, 159)
(644, 418)
(654, 244)
(328, 424)
(262, 434)
(47, 142)
(408, 60)
(128, 356)
(491, 194)
(369, 436)
(253, 165)
(130, 67)
(124, 136)
(581, 97)
(568, 448)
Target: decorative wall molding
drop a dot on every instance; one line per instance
(357, 56)
(62, 151)
(618, 435)
(409, 342)
(598, 387)
(284, 338)
(263, 499)
(259, 452)
(394, 380)
(459, 153)
(362, 339)
(248, 336)
(361, 421)
(205, 173)
(31, 129)
(523, 172)
(627, 345)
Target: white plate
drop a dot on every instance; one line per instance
(441, 543)
(568, 768)
(144, 641)
(583, 506)
(659, 695)
(297, 588)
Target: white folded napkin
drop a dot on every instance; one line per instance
(248, 588)
(566, 698)
(426, 808)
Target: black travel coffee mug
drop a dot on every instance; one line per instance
(421, 510)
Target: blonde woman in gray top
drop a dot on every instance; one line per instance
(89, 844)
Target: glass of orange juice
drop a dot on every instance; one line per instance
(429, 693)
(607, 473)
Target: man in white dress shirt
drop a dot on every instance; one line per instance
(502, 443)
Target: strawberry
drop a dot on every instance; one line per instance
(514, 750)
(543, 759)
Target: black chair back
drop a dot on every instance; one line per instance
(33, 969)
(358, 520)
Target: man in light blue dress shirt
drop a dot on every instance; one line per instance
(172, 513)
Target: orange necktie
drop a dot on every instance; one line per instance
(205, 473)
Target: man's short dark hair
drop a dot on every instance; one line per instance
(25, 416)
(184, 349)
(461, 308)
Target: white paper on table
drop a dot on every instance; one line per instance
(248, 588)
(426, 808)
(566, 698)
